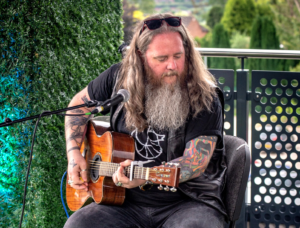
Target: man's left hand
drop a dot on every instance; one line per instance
(119, 177)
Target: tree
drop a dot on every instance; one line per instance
(287, 22)
(255, 43)
(214, 16)
(263, 8)
(146, 6)
(129, 20)
(218, 2)
(239, 15)
(269, 40)
(220, 39)
(263, 36)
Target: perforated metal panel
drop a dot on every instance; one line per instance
(225, 79)
(275, 184)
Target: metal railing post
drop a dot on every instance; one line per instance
(242, 116)
(242, 104)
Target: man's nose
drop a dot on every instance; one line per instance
(172, 64)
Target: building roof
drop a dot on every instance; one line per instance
(187, 20)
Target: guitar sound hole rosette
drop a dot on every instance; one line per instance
(94, 170)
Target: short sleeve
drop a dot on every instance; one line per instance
(101, 88)
(206, 123)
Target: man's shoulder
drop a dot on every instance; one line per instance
(111, 70)
(216, 104)
(116, 65)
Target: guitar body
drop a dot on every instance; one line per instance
(105, 146)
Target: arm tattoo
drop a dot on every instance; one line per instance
(75, 123)
(72, 163)
(85, 100)
(77, 111)
(196, 157)
(73, 148)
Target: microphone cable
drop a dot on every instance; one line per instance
(29, 164)
(61, 194)
(47, 113)
(30, 158)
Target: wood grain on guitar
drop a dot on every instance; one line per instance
(103, 151)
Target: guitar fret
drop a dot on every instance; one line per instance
(108, 169)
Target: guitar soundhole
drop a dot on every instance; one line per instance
(94, 171)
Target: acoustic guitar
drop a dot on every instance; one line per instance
(103, 151)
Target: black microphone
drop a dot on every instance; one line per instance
(122, 96)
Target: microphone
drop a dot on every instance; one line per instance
(122, 96)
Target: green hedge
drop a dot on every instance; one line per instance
(220, 39)
(59, 46)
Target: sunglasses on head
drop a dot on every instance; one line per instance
(153, 24)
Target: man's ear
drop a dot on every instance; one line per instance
(141, 56)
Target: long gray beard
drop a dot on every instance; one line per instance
(167, 106)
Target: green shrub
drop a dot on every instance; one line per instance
(263, 36)
(239, 40)
(239, 15)
(59, 47)
(214, 16)
(220, 39)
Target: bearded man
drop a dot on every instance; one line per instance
(175, 115)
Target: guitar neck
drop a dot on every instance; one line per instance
(168, 174)
(108, 169)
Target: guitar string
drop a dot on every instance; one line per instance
(109, 168)
(114, 165)
(137, 170)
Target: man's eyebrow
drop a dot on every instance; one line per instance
(160, 56)
(164, 56)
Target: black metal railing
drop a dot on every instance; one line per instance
(272, 135)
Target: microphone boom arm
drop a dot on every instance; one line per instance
(88, 104)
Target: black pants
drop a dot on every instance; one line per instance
(191, 214)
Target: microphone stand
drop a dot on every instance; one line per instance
(88, 104)
(9, 122)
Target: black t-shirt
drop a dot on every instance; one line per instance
(151, 144)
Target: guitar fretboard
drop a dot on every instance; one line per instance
(108, 169)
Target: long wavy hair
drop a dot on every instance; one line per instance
(199, 82)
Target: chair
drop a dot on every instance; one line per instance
(238, 167)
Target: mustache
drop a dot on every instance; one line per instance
(171, 73)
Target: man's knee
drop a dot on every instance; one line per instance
(75, 222)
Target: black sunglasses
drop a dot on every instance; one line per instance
(156, 23)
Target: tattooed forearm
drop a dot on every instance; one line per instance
(76, 121)
(85, 100)
(72, 163)
(73, 148)
(76, 136)
(75, 124)
(196, 157)
(77, 111)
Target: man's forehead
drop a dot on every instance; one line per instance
(166, 43)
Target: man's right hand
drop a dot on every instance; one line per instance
(75, 130)
(77, 171)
